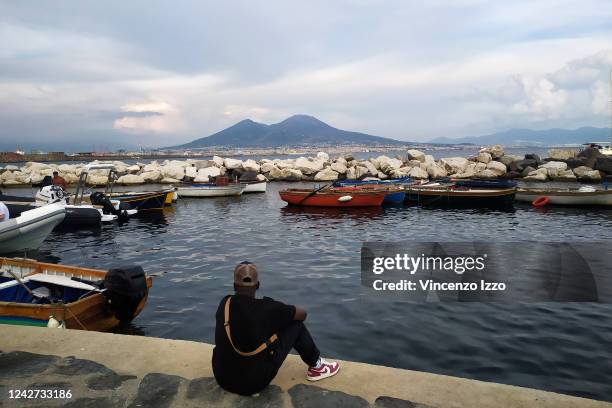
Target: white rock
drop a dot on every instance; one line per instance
(96, 180)
(251, 165)
(536, 176)
(565, 175)
(285, 164)
(307, 166)
(130, 179)
(133, 169)
(484, 157)
(218, 161)
(496, 167)
(232, 164)
(429, 159)
(581, 171)
(487, 173)
(327, 174)
(455, 164)
(436, 171)
(261, 177)
(562, 154)
(267, 167)
(153, 166)
(416, 155)
(154, 176)
(339, 167)
(478, 166)
(557, 165)
(418, 173)
(357, 172)
(191, 172)
(169, 180)
(291, 175)
(66, 168)
(70, 178)
(322, 156)
(372, 170)
(387, 164)
(495, 151)
(593, 175)
(173, 172)
(204, 174)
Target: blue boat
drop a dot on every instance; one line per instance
(394, 197)
(351, 183)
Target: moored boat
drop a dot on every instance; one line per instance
(30, 229)
(450, 195)
(42, 294)
(210, 190)
(145, 200)
(584, 196)
(333, 198)
(254, 186)
(395, 194)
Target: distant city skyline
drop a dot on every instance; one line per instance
(156, 74)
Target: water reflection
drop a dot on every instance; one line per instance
(321, 213)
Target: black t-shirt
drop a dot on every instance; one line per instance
(252, 322)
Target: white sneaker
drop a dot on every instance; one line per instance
(324, 370)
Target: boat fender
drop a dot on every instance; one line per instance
(345, 199)
(540, 201)
(53, 323)
(125, 288)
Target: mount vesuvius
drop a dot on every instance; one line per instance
(297, 130)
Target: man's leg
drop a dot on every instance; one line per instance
(297, 337)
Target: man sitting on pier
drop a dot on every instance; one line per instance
(58, 180)
(253, 337)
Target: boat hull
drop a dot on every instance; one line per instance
(210, 191)
(448, 197)
(88, 313)
(333, 198)
(568, 198)
(258, 187)
(144, 201)
(30, 229)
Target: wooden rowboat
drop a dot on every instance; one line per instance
(395, 194)
(569, 197)
(333, 197)
(39, 294)
(450, 195)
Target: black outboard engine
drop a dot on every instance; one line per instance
(125, 287)
(98, 198)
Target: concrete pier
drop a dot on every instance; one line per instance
(108, 370)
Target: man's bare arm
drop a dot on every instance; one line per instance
(300, 314)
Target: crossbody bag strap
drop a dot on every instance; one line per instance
(258, 350)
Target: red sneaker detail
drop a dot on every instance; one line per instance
(327, 369)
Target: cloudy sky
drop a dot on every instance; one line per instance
(96, 74)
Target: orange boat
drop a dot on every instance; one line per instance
(333, 197)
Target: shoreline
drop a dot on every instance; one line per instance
(144, 370)
(490, 162)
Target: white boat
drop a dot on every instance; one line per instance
(30, 229)
(573, 197)
(210, 190)
(254, 186)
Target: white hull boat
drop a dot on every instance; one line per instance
(255, 187)
(571, 197)
(211, 190)
(30, 229)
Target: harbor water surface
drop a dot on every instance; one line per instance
(311, 257)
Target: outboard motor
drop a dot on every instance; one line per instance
(98, 198)
(125, 287)
(52, 194)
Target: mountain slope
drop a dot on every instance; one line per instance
(527, 137)
(294, 131)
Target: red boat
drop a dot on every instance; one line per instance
(333, 197)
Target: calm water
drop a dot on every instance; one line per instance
(311, 258)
